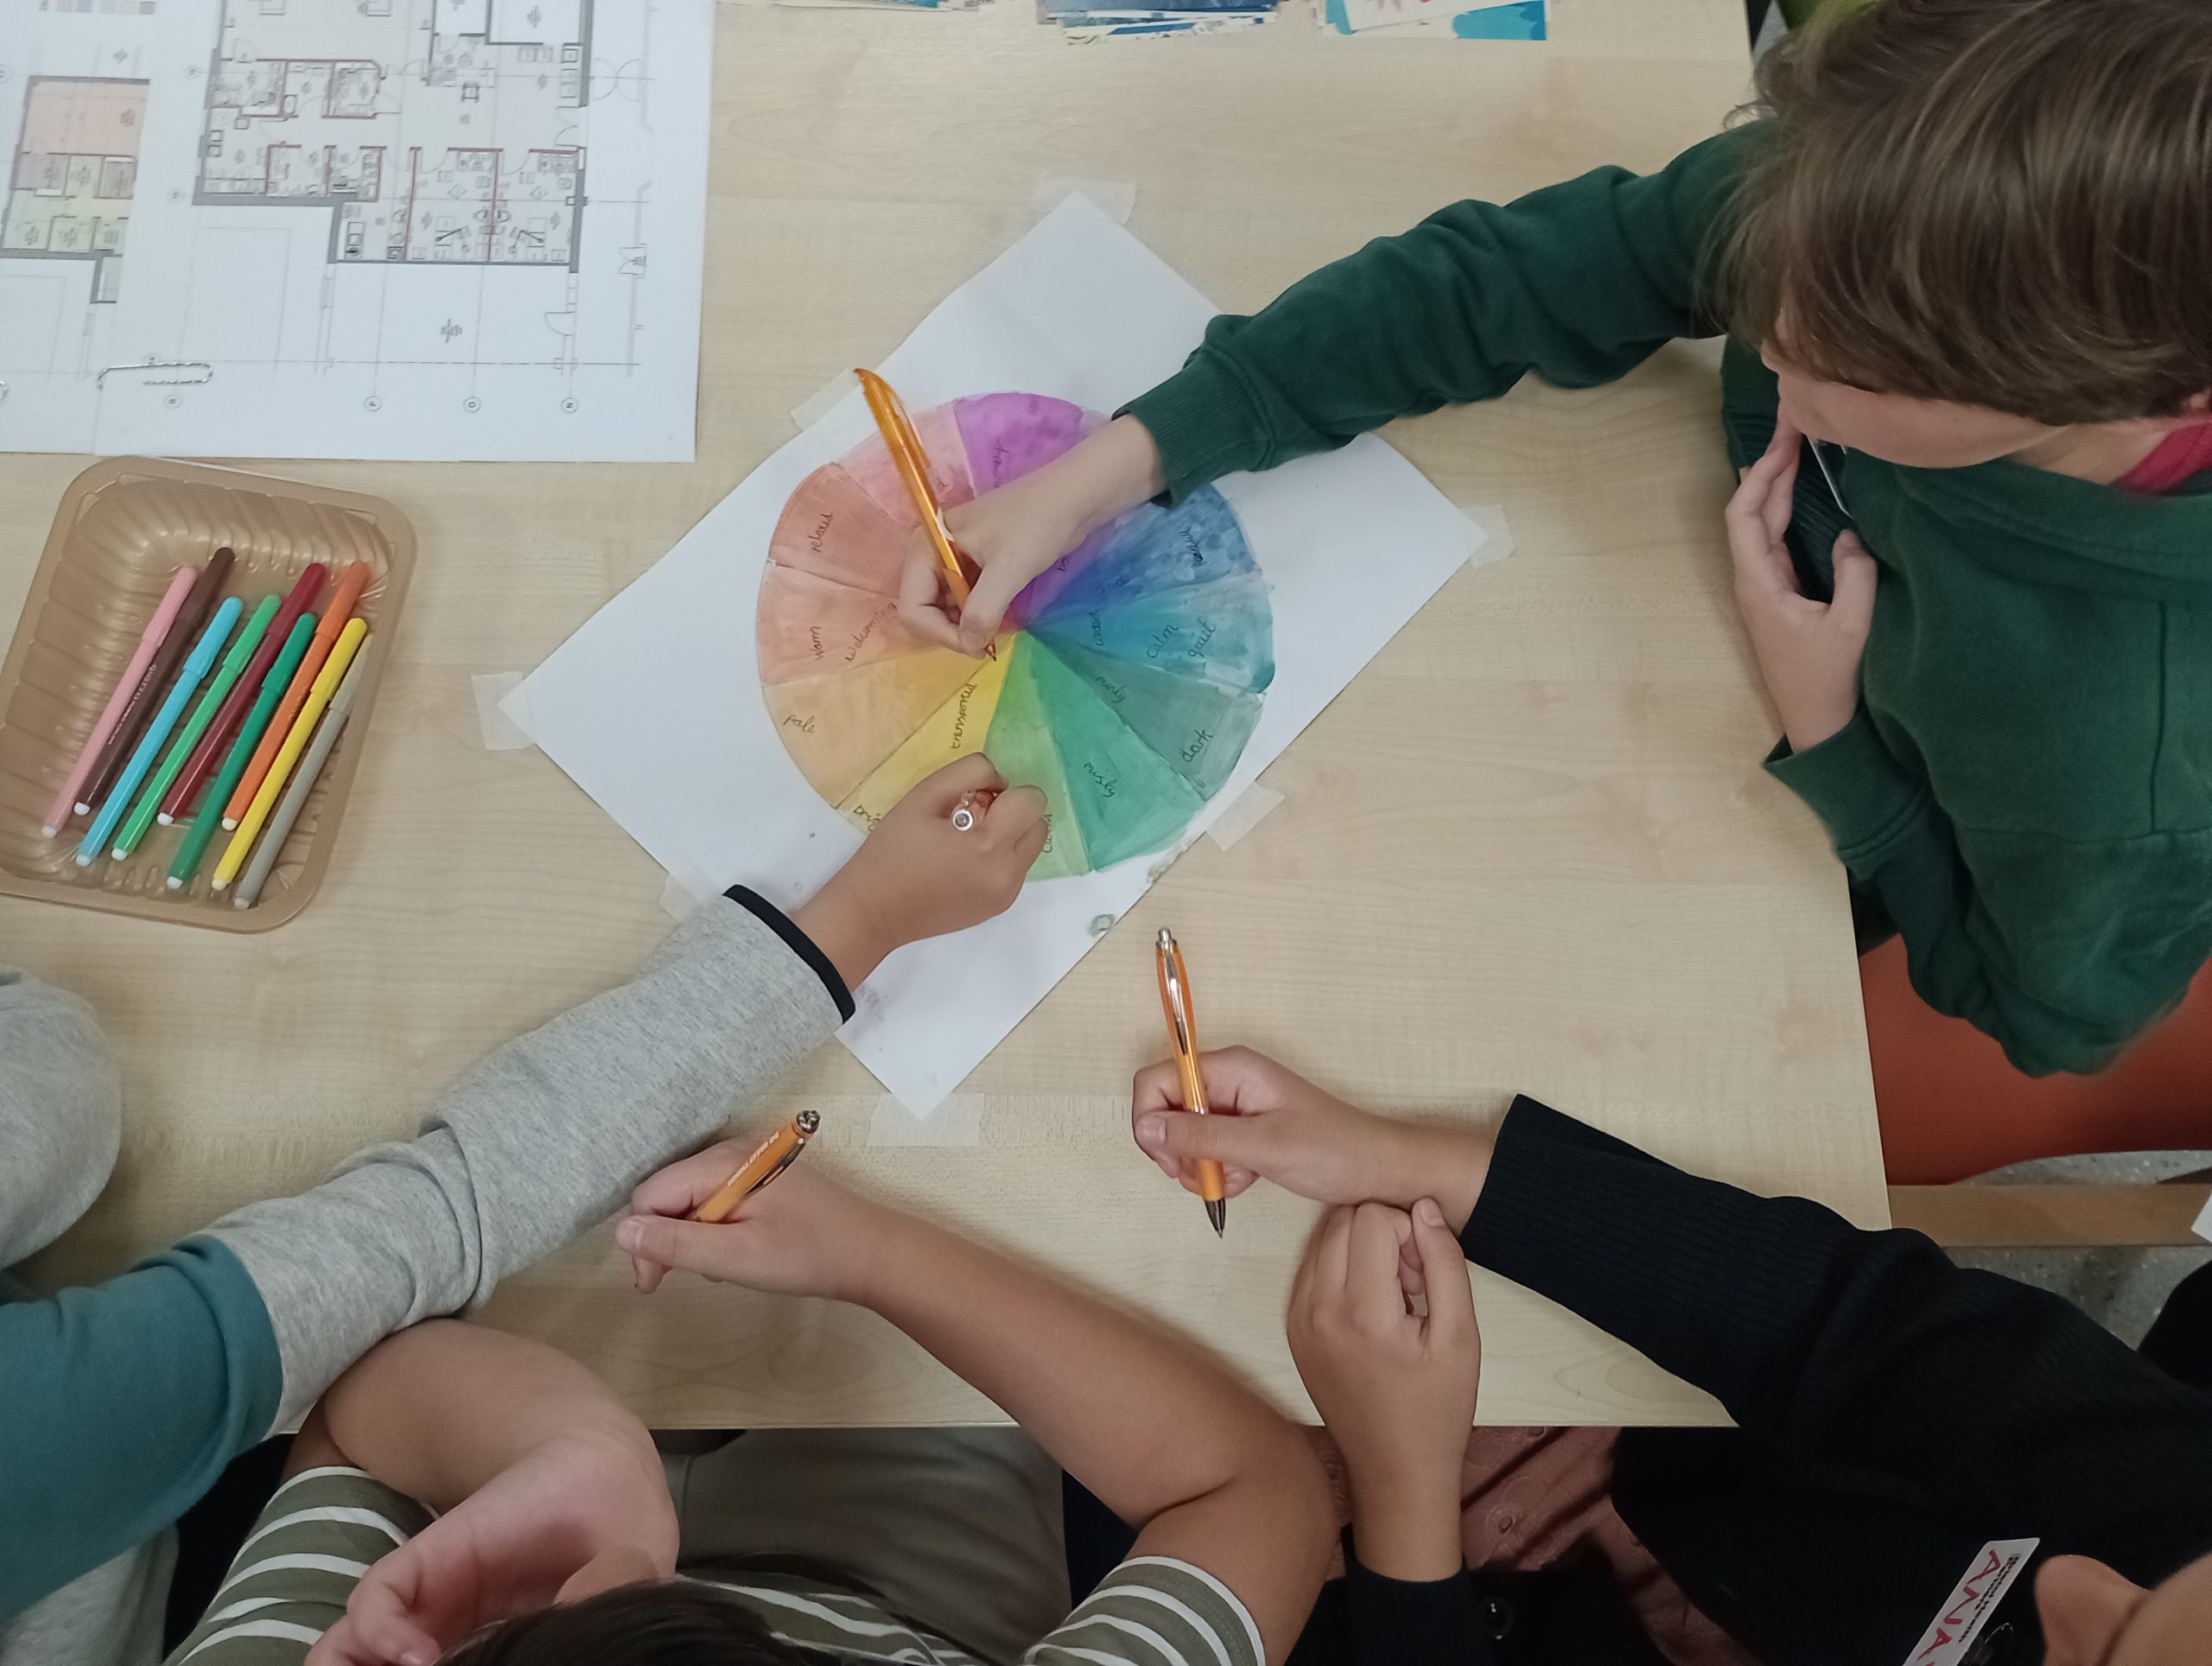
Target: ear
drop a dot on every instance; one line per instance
(2084, 1606)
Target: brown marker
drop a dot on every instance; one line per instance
(199, 602)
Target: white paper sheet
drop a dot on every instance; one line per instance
(654, 706)
(440, 229)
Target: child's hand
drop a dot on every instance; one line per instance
(803, 1235)
(1269, 1123)
(1809, 651)
(1395, 1387)
(919, 876)
(1016, 532)
(578, 1515)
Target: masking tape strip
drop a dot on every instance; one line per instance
(956, 1120)
(1251, 808)
(685, 890)
(823, 400)
(1117, 197)
(500, 731)
(1497, 532)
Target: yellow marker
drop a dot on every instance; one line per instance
(325, 685)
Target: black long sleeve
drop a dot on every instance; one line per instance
(2001, 1406)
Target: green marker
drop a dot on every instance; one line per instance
(209, 821)
(142, 813)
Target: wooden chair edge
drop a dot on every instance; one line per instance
(2053, 1217)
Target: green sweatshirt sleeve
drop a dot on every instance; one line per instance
(1579, 282)
(2062, 950)
(123, 1403)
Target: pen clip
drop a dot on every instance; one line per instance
(781, 1164)
(1175, 994)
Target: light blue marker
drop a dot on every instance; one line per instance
(196, 666)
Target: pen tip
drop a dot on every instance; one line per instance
(47, 832)
(165, 818)
(1218, 1212)
(175, 884)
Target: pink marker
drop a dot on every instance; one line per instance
(57, 815)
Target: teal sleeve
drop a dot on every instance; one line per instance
(125, 1401)
(2065, 951)
(1579, 282)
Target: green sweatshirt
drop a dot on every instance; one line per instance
(2027, 787)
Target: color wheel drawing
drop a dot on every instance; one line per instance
(1125, 686)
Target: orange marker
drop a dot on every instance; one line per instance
(770, 1158)
(913, 464)
(351, 583)
(1183, 1032)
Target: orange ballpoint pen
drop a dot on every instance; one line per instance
(770, 1158)
(913, 464)
(1183, 1032)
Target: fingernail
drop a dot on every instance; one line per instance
(1151, 1129)
(414, 1657)
(631, 1233)
(1428, 1213)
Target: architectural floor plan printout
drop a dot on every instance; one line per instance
(459, 229)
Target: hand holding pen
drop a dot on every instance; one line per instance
(1269, 1123)
(803, 1235)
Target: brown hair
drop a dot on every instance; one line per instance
(671, 1623)
(2005, 203)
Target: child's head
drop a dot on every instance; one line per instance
(1982, 220)
(669, 1624)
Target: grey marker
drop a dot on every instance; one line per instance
(296, 794)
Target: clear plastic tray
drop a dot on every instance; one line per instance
(125, 526)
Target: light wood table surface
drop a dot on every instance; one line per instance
(1530, 848)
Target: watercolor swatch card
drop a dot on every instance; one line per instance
(1463, 20)
(752, 701)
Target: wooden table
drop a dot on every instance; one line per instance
(1530, 848)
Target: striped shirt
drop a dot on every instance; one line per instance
(323, 1529)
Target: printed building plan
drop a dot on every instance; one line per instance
(76, 162)
(364, 228)
(450, 137)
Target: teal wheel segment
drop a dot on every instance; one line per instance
(1197, 728)
(1126, 801)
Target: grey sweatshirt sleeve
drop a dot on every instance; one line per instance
(60, 1113)
(545, 1138)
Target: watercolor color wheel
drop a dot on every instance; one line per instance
(1126, 684)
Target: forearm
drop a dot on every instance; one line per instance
(1822, 1340)
(544, 1139)
(1407, 1529)
(126, 1400)
(1577, 283)
(1141, 1418)
(439, 1411)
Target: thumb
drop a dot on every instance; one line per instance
(985, 609)
(1857, 576)
(380, 1621)
(1186, 1136)
(1443, 1271)
(696, 1246)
